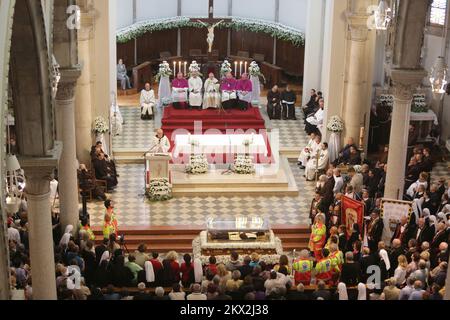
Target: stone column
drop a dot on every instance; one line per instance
(404, 83)
(67, 171)
(83, 94)
(38, 172)
(356, 93)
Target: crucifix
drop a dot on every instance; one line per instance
(211, 23)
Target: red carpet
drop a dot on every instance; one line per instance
(230, 121)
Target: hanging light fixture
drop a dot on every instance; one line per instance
(382, 16)
(56, 76)
(438, 73)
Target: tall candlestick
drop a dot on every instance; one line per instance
(240, 68)
(174, 68)
(179, 66)
(235, 68)
(361, 137)
(245, 69)
(185, 64)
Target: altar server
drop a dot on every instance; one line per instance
(211, 98)
(180, 87)
(195, 91)
(307, 151)
(244, 90)
(148, 101)
(288, 99)
(160, 143)
(122, 75)
(319, 161)
(228, 88)
(315, 122)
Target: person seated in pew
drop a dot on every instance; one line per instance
(312, 106)
(87, 184)
(98, 148)
(273, 103)
(228, 88)
(244, 90)
(195, 91)
(288, 99)
(104, 171)
(344, 154)
(314, 122)
(147, 102)
(122, 75)
(180, 87)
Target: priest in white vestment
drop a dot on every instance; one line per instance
(147, 101)
(160, 143)
(195, 91)
(319, 161)
(211, 97)
(311, 147)
(315, 122)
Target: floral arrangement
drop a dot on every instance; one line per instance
(335, 124)
(164, 71)
(198, 164)
(276, 30)
(225, 68)
(160, 190)
(255, 71)
(419, 103)
(386, 98)
(100, 125)
(244, 165)
(166, 101)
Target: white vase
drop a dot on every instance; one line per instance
(334, 145)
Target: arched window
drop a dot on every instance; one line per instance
(437, 12)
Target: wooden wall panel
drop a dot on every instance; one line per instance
(252, 42)
(195, 38)
(151, 44)
(125, 51)
(290, 58)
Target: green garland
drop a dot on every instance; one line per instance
(276, 30)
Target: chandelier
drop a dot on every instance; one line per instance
(15, 181)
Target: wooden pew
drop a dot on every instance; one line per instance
(272, 73)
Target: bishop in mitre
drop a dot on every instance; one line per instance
(318, 162)
(160, 143)
(147, 102)
(195, 91)
(312, 145)
(212, 93)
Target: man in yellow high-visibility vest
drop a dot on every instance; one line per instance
(302, 268)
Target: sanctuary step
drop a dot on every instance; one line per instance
(128, 92)
(179, 238)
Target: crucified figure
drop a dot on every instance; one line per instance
(210, 37)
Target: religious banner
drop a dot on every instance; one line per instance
(391, 213)
(352, 211)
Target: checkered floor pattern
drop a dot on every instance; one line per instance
(135, 132)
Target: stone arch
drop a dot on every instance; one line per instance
(30, 79)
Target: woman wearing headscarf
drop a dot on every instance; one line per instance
(342, 291)
(362, 291)
(66, 236)
(102, 276)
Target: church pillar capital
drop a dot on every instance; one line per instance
(67, 84)
(357, 24)
(405, 82)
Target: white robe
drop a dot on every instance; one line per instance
(211, 97)
(307, 151)
(147, 101)
(160, 145)
(116, 120)
(195, 91)
(312, 163)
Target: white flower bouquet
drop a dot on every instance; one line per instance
(160, 190)
(419, 103)
(388, 99)
(100, 125)
(198, 164)
(244, 165)
(335, 124)
(255, 71)
(225, 68)
(164, 71)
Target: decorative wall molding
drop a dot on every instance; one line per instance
(276, 30)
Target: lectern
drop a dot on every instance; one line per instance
(156, 166)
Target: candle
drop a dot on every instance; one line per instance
(245, 69)
(240, 68)
(185, 64)
(179, 66)
(361, 137)
(174, 68)
(235, 68)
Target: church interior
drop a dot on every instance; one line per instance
(224, 150)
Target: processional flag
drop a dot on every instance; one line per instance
(352, 211)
